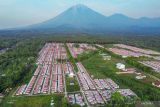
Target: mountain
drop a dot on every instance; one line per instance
(77, 17)
(80, 18)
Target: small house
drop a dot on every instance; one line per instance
(120, 66)
(71, 75)
(140, 76)
(156, 83)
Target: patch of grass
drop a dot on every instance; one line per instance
(87, 54)
(96, 66)
(72, 88)
(71, 58)
(32, 101)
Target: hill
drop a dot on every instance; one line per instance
(80, 18)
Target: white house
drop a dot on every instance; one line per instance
(140, 77)
(120, 66)
(71, 75)
(106, 57)
(124, 56)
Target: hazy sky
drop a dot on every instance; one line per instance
(14, 13)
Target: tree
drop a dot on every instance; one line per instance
(76, 45)
(117, 100)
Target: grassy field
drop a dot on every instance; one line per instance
(134, 62)
(71, 59)
(32, 101)
(72, 88)
(99, 68)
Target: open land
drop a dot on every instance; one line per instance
(70, 74)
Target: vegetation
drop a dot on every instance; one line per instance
(71, 59)
(76, 45)
(134, 62)
(7, 42)
(72, 88)
(86, 55)
(96, 66)
(33, 101)
(17, 64)
(117, 100)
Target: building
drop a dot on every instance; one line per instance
(124, 56)
(140, 76)
(102, 54)
(156, 83)
(71, 75)
(127, 71)
(106, 57)
(130, 70)
(71, 82)
(120, 66)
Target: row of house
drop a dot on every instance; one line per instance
(75, 51)
(98, 91)
(48, 77)
(136, 49)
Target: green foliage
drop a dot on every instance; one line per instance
(86, 55)
(117, 100)
(103, 69)
(134, 62)
(71, 59)
(72, 88)
(18, 63)
(34, 101)
(7, 42)
(76, 45)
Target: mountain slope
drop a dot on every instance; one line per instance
(83, 19)
(78, 16)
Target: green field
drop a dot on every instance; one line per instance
(18, 65)
(32, 101)
(99, 68)
(134, 62)
(72, 88)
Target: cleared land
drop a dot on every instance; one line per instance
(107, 69)
(75, 74)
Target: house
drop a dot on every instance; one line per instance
(102, 54)
(106, 57)
(138, 73)
(124, 56)
(71, 82)
(131, 70)
(156, 83)
(124, 70)
(71, 75)
(120, 66)
(140, 76)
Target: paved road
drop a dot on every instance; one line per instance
(65, 90)
(81, 90)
